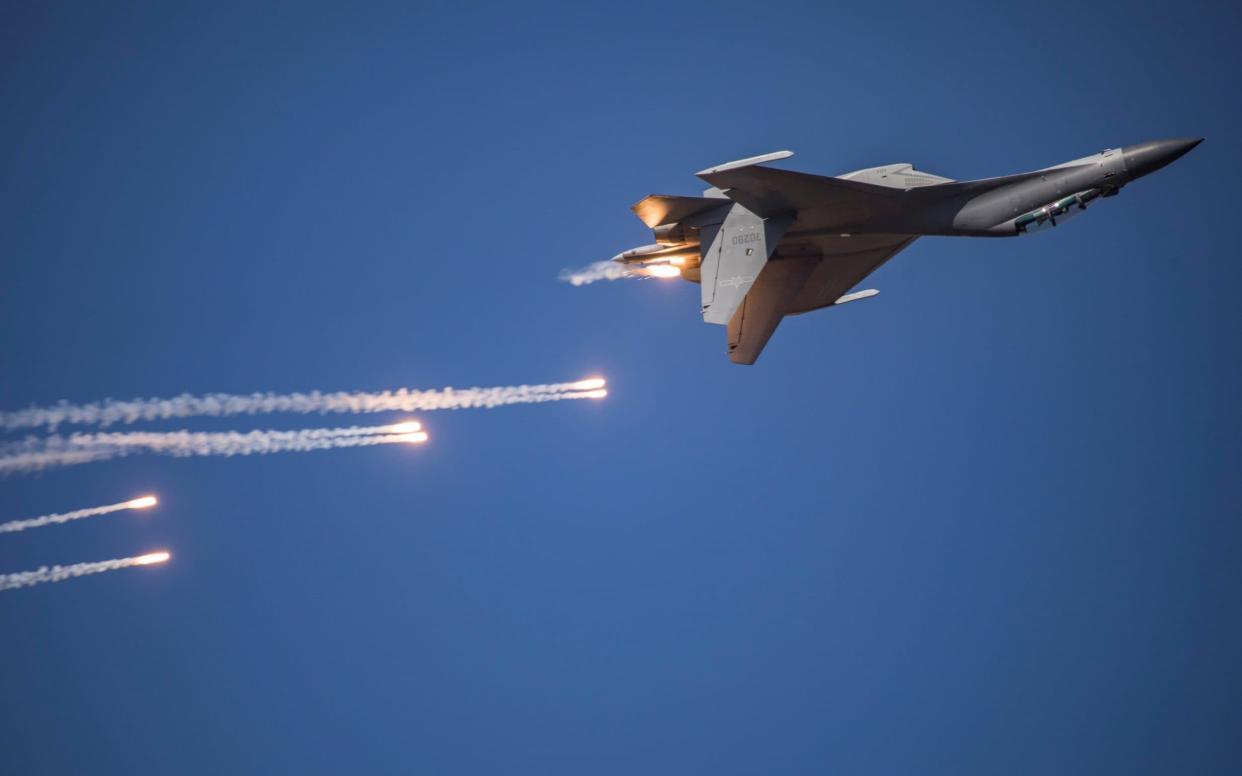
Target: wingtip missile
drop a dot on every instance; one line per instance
(747, 162)
(857, 295)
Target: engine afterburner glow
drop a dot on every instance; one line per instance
(663, 271)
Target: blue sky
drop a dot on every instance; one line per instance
(988, 521)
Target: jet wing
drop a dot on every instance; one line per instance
(793, 285)
(768, 192)
(845, 262)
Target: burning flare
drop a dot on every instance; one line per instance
(218, 405)
(408, 427)
(35, 453)
(151, 557)
(64, 517)
(415, 438)
(61, 573)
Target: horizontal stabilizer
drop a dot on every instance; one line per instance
(761, 311)
(660, 209)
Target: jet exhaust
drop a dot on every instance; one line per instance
(594, 273)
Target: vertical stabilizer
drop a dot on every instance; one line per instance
(733, 254)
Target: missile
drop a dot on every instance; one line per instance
(658, 254)
(866, 293)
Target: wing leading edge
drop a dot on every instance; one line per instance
(768, 191)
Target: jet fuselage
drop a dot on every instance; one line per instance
(982, 208)
(765, 243)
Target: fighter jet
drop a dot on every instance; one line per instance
(764, 243)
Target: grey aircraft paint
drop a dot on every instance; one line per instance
(764, 243)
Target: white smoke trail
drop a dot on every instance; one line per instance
(34, 460)
(110, 411)
(600, 270)
(61, 573)
(77, 514)
(34, 454)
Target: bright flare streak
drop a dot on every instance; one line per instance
(405, 428)
(61, 573)
(64, 517)
(589, 384)
(414, 439)
(34, 453)
(664, 271)
(218, 405)
(677, 261)
(596, 394)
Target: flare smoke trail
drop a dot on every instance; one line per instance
(77, 514)
(111, 411)
(34, 454)
(61, 573)
(600, 270)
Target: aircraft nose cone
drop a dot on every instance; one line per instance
(1148, 157)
